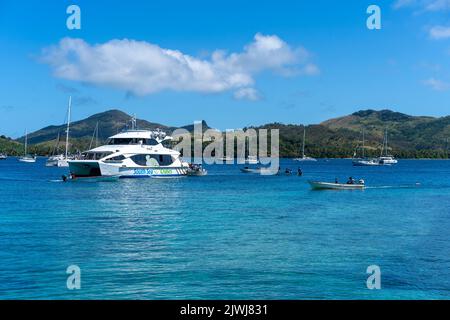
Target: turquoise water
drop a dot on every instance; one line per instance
(227, 235)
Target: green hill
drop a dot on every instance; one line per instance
(409, 136)
(10, 147)
(109, 122)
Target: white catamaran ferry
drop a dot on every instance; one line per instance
(131, 154)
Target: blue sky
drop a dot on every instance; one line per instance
(327, 63)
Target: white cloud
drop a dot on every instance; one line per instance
(437, 5)
(437, 85)
(144, 68)
(247, 93)
(439, 32)
(424, 5)
(403, 3)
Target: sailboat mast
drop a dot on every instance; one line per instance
(68, 126)
(386, 146)
(384, 149)
(304, 137)
(26, 140)
(363, 145)
(94, 136)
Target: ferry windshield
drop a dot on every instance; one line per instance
(128, 141)
(95, 155)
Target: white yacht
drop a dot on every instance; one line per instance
(26, 157)
(304, 157)
(227, 159)
(364, 161)
(58, 161)
(61, 160)
(131, 154)
(252, 160)
(385, 159)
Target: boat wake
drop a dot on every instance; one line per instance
(417, 185)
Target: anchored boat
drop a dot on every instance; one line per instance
(319, 185)
(26, 157)
(252, 160)
(364, 161)
(304, 157)
(196, 170)
(61, 160)
(250, 170)
(131, 154)
(386, 159)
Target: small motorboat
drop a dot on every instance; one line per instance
(227, 159)
(365, 162)
(252, 160)
(3, 156)
(196, 170)
(27, 158)
(251, 170)
(319, 185)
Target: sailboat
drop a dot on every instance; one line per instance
(385, 159)
(52, 161)
(94, 136)
(26, 157)
(358, 162)
(61, 160)
(304, 157)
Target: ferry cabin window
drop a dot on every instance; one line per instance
(95, 155)
(151, 142)
(150, 160)
(126, 141)
(168, 144)
(119, 158)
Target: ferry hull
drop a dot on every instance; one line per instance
(84, 168)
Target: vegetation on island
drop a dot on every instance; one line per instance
(408, 136)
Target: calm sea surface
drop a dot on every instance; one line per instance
(227, 235)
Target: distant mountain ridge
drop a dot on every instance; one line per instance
(110, 122)
(409, 136)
